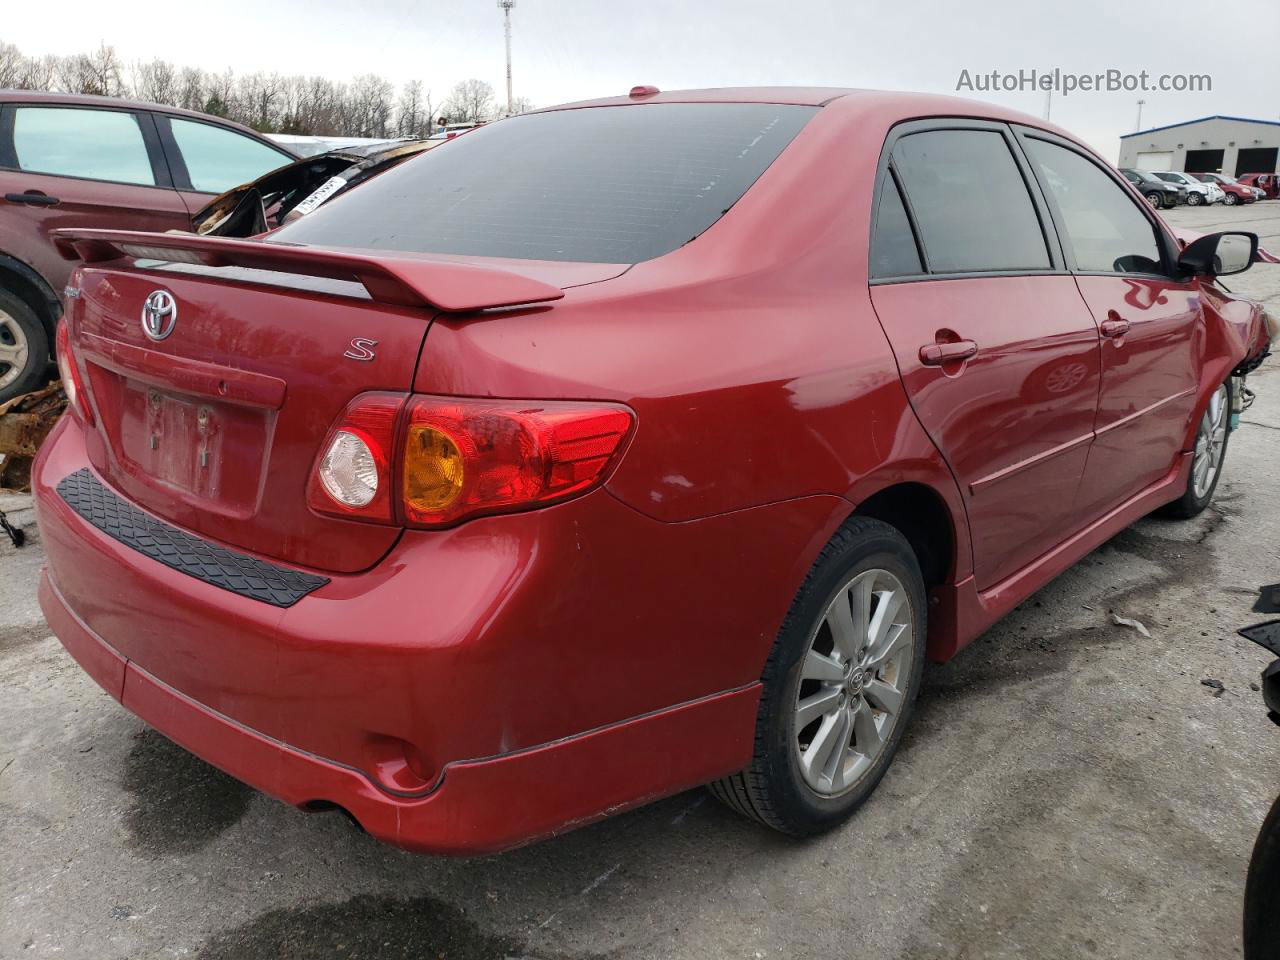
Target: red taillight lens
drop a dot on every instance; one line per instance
(467, 457)
(353, 477)
(72, 385)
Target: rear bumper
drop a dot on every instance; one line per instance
(480, 806)
(584, 655)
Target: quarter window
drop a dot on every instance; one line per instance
(1105, 228)
(970, 202)
(218, 159)
(97, 144)
(893, 248)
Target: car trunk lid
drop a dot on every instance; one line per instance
(213, 420)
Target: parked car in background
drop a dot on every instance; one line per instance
(470, 486)
(1234, 192)
(1198, 192)
(97, 162)
(1159, 193)
(1268, 183)
(300, 188)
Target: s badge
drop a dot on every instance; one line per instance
(361, 349)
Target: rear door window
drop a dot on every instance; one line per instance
(72, 142)
(218, 159)
(1104, 227)
(970, 202)
(602, 184)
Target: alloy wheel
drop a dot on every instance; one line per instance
(13, 350)
(853, 681)
(1211, 438)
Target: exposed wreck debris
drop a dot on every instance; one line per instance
(299, 188)
(24, 423)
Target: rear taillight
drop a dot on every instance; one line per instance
(469, 457)
(72, 385)
(454, 458)
(353, 477)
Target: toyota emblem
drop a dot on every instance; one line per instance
(159, 314)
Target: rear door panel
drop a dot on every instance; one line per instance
(1015, 421)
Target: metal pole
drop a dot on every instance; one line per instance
(1139, 126)
(506, 6)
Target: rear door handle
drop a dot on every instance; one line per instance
(1114, 327)
(936, 354)
(32, 199)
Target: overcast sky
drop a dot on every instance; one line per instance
(574, 49)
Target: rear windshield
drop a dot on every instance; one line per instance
(602, 185)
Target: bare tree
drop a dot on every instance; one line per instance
(409, 117)
(365, 107)
(38, 73)
(372, 105)
(220, 94)
(156, 82)
(13, 66)
(191, 89)
(470, 101)
(428, 116)
(95, 73)
(521, 105)
(258, 100)
(290, 99)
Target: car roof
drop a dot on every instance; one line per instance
(90, 100)
(803, 96)
(855, 103)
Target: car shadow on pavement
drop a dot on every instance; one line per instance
(179, 803)
(365, 927)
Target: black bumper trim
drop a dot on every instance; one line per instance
(234, 572)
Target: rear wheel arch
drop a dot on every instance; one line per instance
(26, 283)
(922, 516)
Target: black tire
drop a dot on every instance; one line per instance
(16, 313)
(1189, 505)
(1195, 199)
(1262, 893)
(772, 789)
(1155, 198)
(1230, 199)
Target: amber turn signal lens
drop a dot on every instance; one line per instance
(466, 457)
(432, 469)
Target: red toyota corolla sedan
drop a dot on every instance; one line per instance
(619, 448)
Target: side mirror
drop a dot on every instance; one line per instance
(1220, 254)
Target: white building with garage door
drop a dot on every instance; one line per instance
(1230, 145)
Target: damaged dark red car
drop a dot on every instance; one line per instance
(491, 499)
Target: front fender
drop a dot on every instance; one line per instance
(1234, 332)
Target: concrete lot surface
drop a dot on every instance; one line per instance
(1070, 788)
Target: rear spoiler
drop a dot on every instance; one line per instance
(451, 287)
